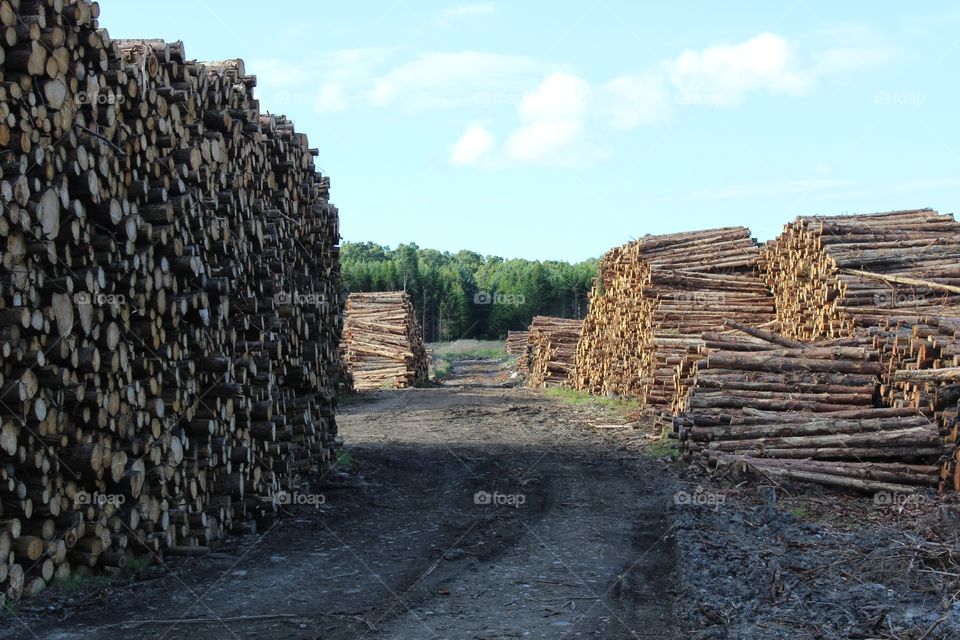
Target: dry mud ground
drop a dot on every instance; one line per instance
(475, 511)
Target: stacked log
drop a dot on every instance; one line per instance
(806, 413)
(830, 275)
(619, 315)
(516, 342)
(921, 370)
(552, 350)
(384, 346)
(169, 294)
(813, 378)
(871, 449)
(652, 300)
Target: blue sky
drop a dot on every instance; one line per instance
(560, 129)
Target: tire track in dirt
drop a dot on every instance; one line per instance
(405, 546)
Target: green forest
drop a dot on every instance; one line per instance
(467, 295)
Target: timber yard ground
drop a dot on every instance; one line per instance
(479, 510)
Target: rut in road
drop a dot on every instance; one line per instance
(474, 511)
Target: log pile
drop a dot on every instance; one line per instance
(384, 346)
(516, 343)
(806, 413)
(812, 378)
(652, 300)
(871, 449)
(552, 350)
(830, 275)
(608, 353)
(169, 295)
(921, 370)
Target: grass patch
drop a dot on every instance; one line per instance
(444, 353)
(572, 396)
(439, 367)
(81, 581)
(663, 447)
(345, 461)
(77, 582)
(468, 349)
(800, 513)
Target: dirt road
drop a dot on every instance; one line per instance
(470, 511)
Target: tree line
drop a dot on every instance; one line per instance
(467, 295)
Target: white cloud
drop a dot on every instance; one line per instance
(554, 113)
(443, 80)
(331, 98)
(634, 100)
(554, 116)
(723, 74)
(326, 81)
(542, 141)
(559, 96)
(475, 143)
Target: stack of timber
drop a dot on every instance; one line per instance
(552, 350)
(652, 300)
(921, 370)
(608, 353)
(807, 413)
(516, 342)
(169, 295)
(523, 357)
(830, 275)
(384, 346)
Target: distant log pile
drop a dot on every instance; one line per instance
(832, 274)
(552, 350)
(384, 347)
(170, 300)
(516, 343)
(652, 299)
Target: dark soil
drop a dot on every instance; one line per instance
(480, 511)
(462, 512)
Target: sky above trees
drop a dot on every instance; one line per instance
(556, 130)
